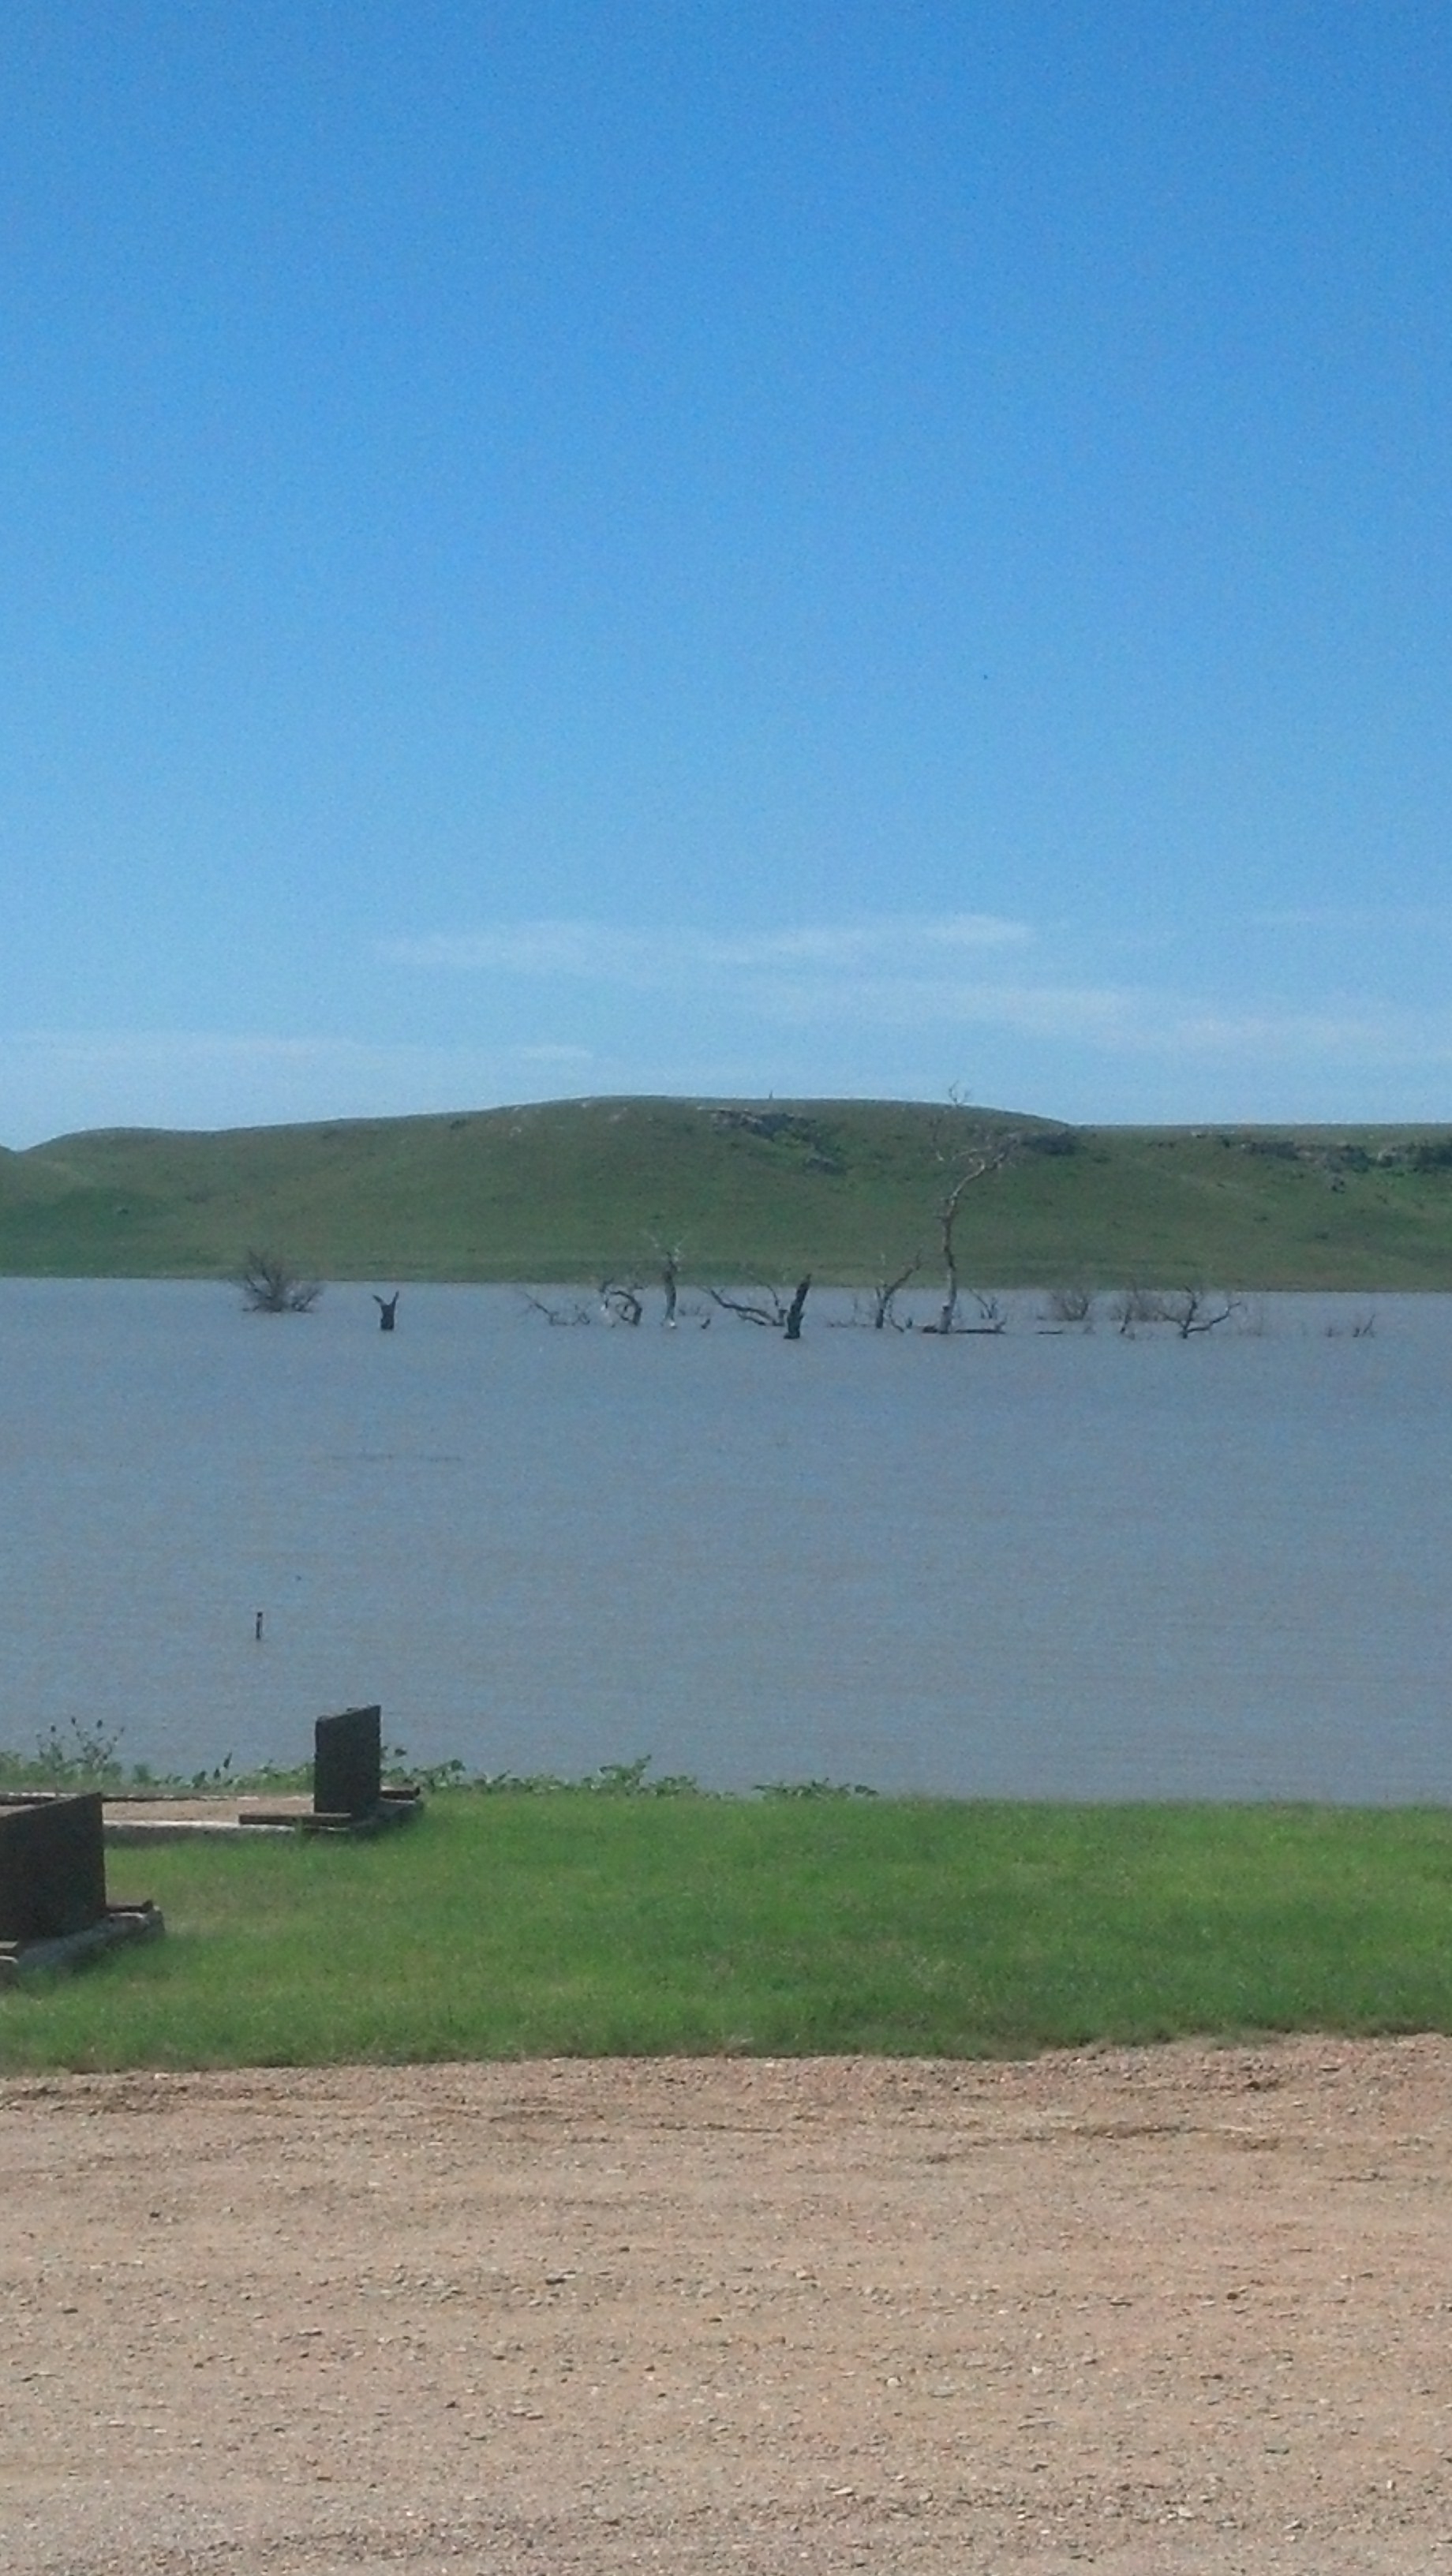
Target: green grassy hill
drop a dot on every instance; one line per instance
(578, 1189)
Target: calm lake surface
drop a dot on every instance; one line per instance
(1057, 1565)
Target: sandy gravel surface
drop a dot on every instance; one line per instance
(1164, 2310)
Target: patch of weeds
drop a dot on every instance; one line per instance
(76, 1756)
(220, 1781)
(397, 1768)
(611, 1780)
(814, 1789)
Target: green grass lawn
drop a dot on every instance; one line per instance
(518, 1925)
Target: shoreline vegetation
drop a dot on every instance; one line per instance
(665, 1195)
(78, 1757)
(630, 1914)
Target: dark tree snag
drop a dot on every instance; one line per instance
(578, 1313)
(271, 1287)
(886, 1291)
(1190, 1312)
(669, 1256)
(949, 1210)
(769, 1307)
(1071, 1305)
(621, 1300)
(748, 1309)
(387, 1309)
(968, 1162)
(1137, 1306)
(991, 1312)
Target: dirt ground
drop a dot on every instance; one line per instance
(1160, 2310)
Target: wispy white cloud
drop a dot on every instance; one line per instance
(869, 1008)
(595, 952)
(908, 1001)
(1119, 1018)
(962, 970)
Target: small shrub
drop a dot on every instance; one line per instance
(1070, 1306)
(82, 1756)
(272, 1287)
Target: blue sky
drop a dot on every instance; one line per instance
(853, 548)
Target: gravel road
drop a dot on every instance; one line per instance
(1168, 2309)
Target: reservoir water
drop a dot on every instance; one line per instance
(1031, 1564)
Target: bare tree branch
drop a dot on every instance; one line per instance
(992, 1314)
(968, 1161)
(1190, 1311)
(1070, 1305)
(271, 1287)
(798, 1308)
(885, 1291)
(751, 1309)
(1136, 1306)
(770, 1307)
(578, 1313)
(622, 1300)
(670, 1257)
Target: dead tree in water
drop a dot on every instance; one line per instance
(621, 1300)
(771, 1307)
(272, 1287)
(797, 1308)
(968, 1162)
(874, 1309)
(885, 1292)
(1136, 1306)
(387, 1309)
(1190, 1310)
(576, 1313)
(670, 1256)
(1069, 1305)
(991, 1312)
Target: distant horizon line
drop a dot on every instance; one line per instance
(789, 1101)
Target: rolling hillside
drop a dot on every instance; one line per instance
(580, 1189)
